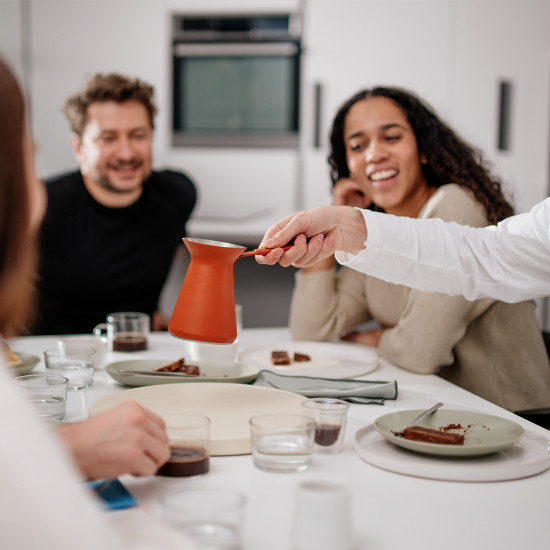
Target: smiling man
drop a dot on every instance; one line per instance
(113, 227)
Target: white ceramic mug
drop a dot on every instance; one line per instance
(323, 517)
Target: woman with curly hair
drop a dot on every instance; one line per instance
(390, 152)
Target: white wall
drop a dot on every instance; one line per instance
(11, 34)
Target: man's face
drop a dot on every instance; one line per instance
(114, 151)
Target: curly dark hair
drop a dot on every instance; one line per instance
(449, 158)
(108, 87)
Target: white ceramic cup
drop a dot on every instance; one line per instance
(323, 517)
(216, 354)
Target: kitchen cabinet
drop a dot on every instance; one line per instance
(506, 41)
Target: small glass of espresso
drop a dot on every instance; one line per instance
(189, 436)
(330, 422)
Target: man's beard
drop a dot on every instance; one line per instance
(107, 184)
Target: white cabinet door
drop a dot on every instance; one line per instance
(356, 44)
(506, 41)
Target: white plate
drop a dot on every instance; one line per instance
(528, 457)
(484, 433)
(229, 407)
(328, 359)
(236, 373)
(28, 362)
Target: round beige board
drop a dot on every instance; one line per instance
(229, 407)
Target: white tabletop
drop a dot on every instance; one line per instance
(390, 510)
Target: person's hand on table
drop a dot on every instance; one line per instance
(128, 439)
(159, 321)
(366, 337)
(316, 234)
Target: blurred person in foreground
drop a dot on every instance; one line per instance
(44, 502)
(390, 150)
(111, 229)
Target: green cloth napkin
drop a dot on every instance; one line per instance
(365, 392)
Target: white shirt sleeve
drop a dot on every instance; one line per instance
(509, 261)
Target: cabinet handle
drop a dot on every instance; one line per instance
(504, 115)
(318, 96)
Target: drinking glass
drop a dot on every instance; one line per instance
(212, 517)
(282, 442)
(330, 418)
(46, 392)
(126, 331)
(76, 364)
(189, 436)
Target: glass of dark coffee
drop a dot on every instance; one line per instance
(125, 331)
(330, 422)
(189, 436)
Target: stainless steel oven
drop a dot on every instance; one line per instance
(236, 80)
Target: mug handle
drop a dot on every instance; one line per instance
(99, 330)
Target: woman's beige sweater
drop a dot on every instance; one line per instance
(490, 348)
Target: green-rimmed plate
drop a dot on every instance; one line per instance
(484, 433)
(235, 373)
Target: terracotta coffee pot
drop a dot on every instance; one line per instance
(205, 308)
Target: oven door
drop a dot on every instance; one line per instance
(236, 94)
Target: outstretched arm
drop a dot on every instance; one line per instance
(509, 262)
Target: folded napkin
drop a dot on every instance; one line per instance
(364, 392)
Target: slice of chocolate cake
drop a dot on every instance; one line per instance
(280, 358)
(427, 435)
(301, 357)
(180, 366)
(172, 367)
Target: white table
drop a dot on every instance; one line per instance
(391, 511)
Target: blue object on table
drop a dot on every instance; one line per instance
(112, 493)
